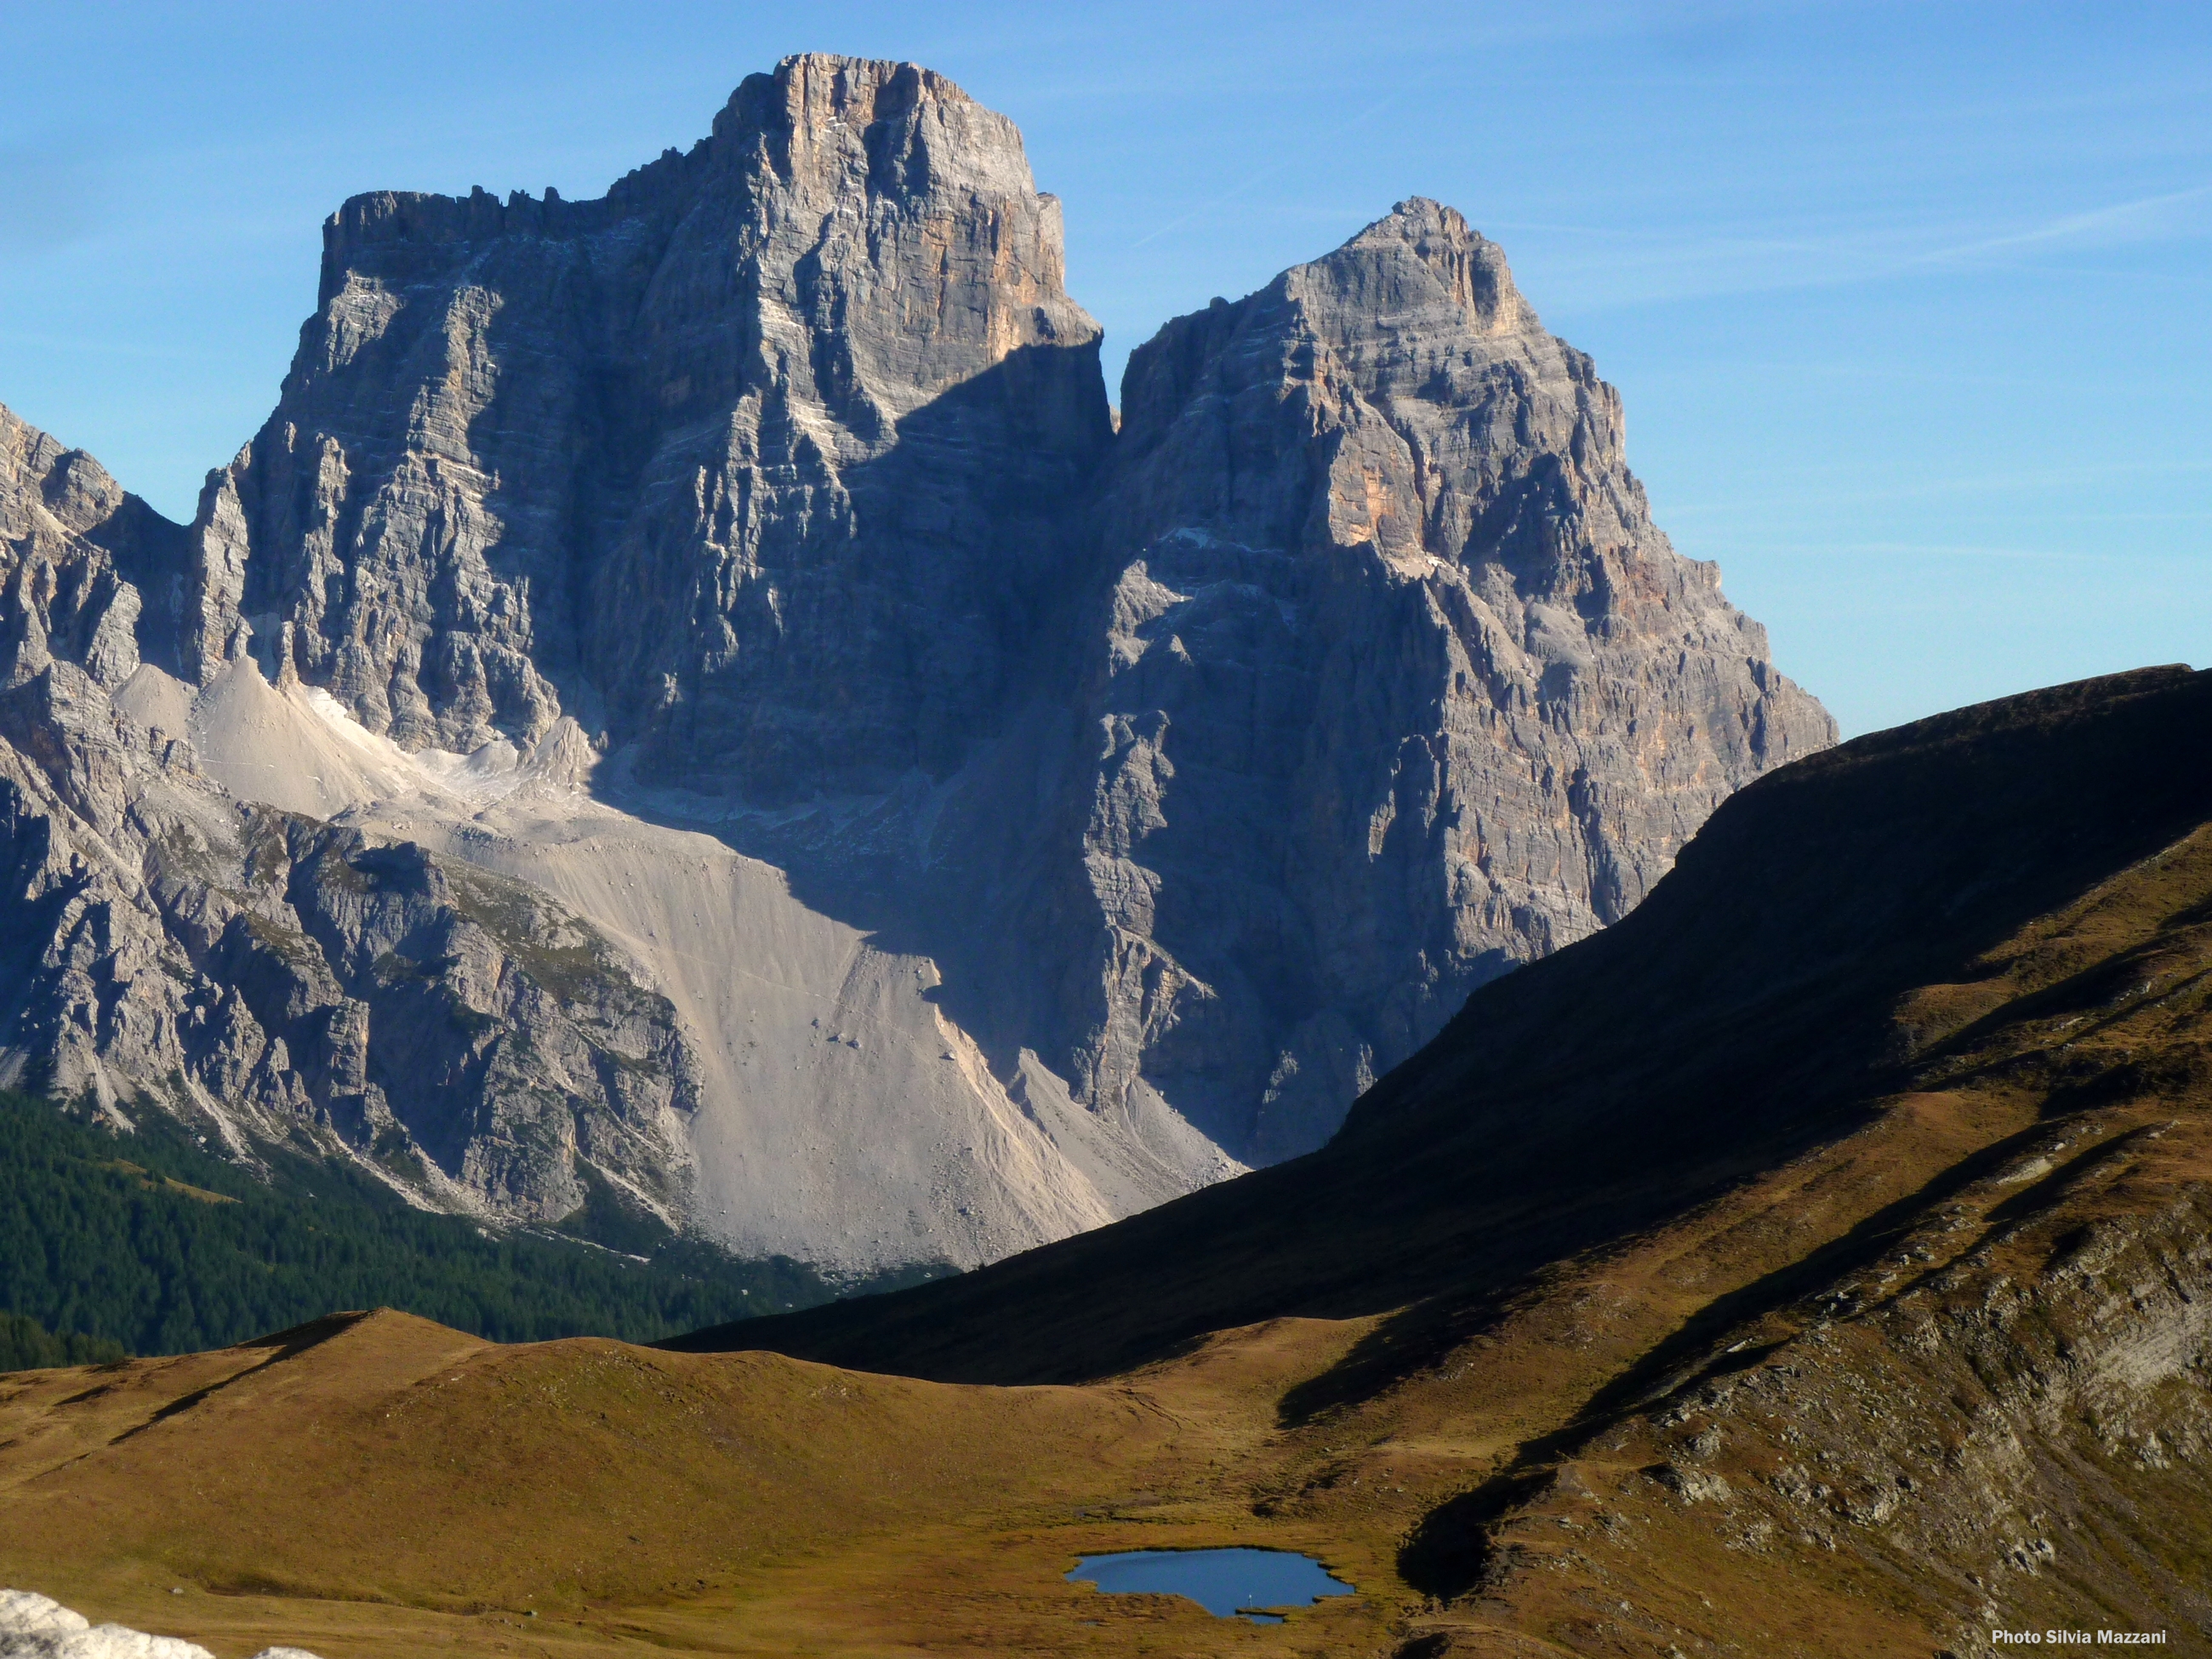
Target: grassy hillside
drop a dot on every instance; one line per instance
(146, 1242)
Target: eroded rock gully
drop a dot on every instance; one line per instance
(1150, 792)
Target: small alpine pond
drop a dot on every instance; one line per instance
(1227, 1583)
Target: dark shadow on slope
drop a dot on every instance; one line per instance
(1692, 1351)
(893, 647)
(1419, 1337)
(2052, 1188)
(1588, 1202)
(284, 1345)
(1740, 1015)
(1453, 1548)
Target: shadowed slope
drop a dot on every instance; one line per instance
(1745, 1012)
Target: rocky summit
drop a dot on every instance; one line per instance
(1394, 685)
(756, 462)
(692, 696)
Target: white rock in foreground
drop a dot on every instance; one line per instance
(25, 1613)
(35, 1626)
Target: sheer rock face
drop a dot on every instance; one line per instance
(1213, 762)
(87, 568)
(758, 460)
(1398, 686)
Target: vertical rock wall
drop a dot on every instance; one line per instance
(775, 494)
(760, 462)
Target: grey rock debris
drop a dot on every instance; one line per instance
(35, 1626)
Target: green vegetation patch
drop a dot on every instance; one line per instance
(148, 1243)
(27, 1345)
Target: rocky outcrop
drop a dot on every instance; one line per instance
(35, 1626)
(87, 568)
(2000, 1424)
(1150, 792)
(1991, 1438)
(265, 975)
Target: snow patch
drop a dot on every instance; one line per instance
(35, 1626)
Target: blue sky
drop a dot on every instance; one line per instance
(1908, 303)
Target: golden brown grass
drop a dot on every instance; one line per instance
(379, 1480)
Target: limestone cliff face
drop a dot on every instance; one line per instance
(1159, 789)
(757, 461)
(87, 568)
(1396, 685)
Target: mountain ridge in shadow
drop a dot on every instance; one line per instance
(1748, 1010)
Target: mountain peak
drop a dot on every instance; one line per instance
(912, 130)
(840, 88)
(1466, 268)
(1200, 772)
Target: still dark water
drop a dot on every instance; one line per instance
(1225, 1583)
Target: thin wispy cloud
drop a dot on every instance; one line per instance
(2147, 218)
(1641, 267)
(1260, 177)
